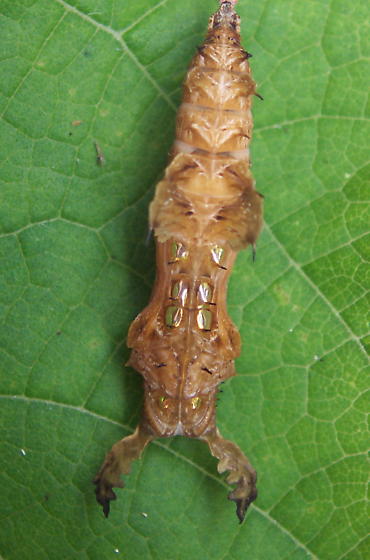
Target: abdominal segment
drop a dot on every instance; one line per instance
(184, 343)
(205, 210)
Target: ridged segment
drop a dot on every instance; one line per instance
(205, 210)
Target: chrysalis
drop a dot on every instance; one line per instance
(205, 210)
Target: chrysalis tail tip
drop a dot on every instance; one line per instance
(104, 494)
(242, 504)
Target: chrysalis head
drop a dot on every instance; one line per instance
(225, 17)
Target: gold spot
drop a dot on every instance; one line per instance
(179, 291)
(178, 251)
(163, 402)
(196, 402)
(205, 292)
(218, 254)
(173, 316)
(175, 289)
(204, 319)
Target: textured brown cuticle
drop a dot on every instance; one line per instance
(205, 210)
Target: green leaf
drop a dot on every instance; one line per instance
(75, 270)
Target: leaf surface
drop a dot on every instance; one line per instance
(75, 270)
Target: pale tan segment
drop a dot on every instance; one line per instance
(205, 210)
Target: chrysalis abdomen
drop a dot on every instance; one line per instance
(205, 210)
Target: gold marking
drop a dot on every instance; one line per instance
(178, 251)
(173, 316)
(163, 402)
(176, 289)
(179, 291)
(218, 254)
(196, 402)
(205, 292)
(204, 319)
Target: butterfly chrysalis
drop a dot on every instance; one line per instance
(205, 210)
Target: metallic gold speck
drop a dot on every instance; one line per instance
(163, 402)
(179, 291)
(204, 319)
(218, 254)
(205, 292)
(178, 251)
(196, 402)
(173, 316)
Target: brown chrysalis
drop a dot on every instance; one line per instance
(205, 210)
